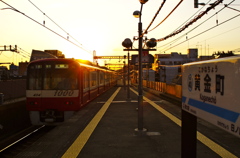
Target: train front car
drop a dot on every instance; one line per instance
(53, 91)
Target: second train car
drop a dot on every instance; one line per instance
(56, 88)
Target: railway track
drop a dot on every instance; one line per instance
(22, 140)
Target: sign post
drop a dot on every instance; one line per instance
(210, 90)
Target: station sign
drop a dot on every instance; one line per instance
(210, 90)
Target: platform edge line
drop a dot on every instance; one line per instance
(202, 138)
(75, 149)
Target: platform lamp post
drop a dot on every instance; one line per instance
(140, 130)
(128, 77)
(128, 44)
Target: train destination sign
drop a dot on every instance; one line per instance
(210, 90)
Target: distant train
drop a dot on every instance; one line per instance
(56, 88)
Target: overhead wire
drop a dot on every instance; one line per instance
(175, 40)
(162, 4)
(20, 52)
(200, 24)
(223, 33)
(233, 8)
(191, 22)
(192, 15)
(11, 7)
(24, 52)
(54, 22)
(206, 30)
(167, 15)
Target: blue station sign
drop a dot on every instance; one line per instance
(210, 90)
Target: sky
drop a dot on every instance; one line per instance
(103, 25)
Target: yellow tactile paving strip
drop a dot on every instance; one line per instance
(82, 139)
(206, 141)
(76, 147)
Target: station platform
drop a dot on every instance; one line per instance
(112, 131)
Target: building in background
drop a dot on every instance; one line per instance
(168, 66)
(13, 70)
(4, 73)
(56, 53)
(22, 69)
(37, 54)
(174, 58)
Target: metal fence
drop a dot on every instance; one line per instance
(172, 89)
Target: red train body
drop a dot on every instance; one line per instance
(56, 88)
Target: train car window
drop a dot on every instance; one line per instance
(60, 78)
(48, 66)
(48, 80)
(35, 77)
(65, 81)
(38, 66)
(61, 66)
(93, 78)
(52, 76)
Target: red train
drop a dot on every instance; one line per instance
(56, 88)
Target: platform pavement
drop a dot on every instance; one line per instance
(115, 135)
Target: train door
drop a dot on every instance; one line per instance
(93, 83)
(86, 85)
(34, 86)
(81, 85)
(97, 79)
(101, 81)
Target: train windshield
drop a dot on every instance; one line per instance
(52, 76)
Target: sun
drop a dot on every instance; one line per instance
(88, 40)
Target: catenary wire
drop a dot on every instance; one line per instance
(191, 22)
(167, 15)
(146, 31)
(205, 31)
(222, 34)
(175, 40)
(198, 25)
(45, 27)
(24, 52)
(54, 22)
(192, 15)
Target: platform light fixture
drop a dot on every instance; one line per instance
(150, 44)
(127, 43)
(143, 1)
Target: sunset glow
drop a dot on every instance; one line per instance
(100, 27)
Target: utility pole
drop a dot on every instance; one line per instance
(9, 48)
